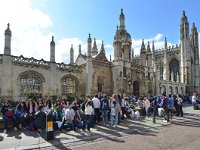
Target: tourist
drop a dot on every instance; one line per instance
(89, 112)
(96, 105)
(40, 119)
(31, 109)
(180, 105)
(21, 114)
(7, 111)
(171, 105)
(194, 102)
(105, 109)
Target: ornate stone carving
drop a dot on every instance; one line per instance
(71, 68)
(30, 61)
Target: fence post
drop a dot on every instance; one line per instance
(49, 127)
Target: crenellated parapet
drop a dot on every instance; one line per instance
(23, 61)
(71, 68)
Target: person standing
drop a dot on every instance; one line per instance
(180, 105)
(194, 102)
(165, 105)
(105, 109)
(171, 105)
(96, 104)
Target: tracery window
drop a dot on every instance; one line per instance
(100, 83)
(174, 70)
(68, 86)
(30, 84)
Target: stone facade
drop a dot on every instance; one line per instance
(172, 69)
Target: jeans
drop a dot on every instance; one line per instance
(5, 121)
(88, 121)
(116, 116)
(105, 116)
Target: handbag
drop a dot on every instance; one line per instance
(9, 113)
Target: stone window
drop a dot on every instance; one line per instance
(161, 71)
(30, 84)
(100, 83)
(68, 86)
(174, 70)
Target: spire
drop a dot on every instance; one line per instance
(122, 20)
(52, 50)
(184, 27)
(165, 43)
(102, 47)
(153, 47)
(94, 48)
(194, 27)
(71, 55)
(7, 46)
(184, 16)
(79, 48)
(89, 46)
(110, 58)
(143, 46)
(148, 47)
(7, 31)
(52, 41)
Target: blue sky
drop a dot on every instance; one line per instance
(33, 22)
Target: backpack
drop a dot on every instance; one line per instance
(118, 106)
(104, 105)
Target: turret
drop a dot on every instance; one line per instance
(122, 20)
(89, 46)
(153, 46)
(7, 46)
(148, 47)
(79, 49)
(94, 48)
(143, 54)
(165, 43)
(71, 55)
(52, 50)
(102, 47)
(184, 27)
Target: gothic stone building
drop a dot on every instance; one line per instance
(172, 70)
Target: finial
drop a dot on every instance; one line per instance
(117, 27)
(52, 38)
(183, 12)
(89, 35)
(8, 25)
(121, 10)
(71, 45)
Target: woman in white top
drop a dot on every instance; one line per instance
(89, 112)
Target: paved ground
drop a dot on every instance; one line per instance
(181, 133)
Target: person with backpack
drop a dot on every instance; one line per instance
(40, 119)
(165, 106)
(105, 109)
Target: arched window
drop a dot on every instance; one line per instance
(174, 70)
(30, 83)
(176, 90)
(170, 90)
(68, 86)
(136, 88)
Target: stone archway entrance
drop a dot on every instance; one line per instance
(136, 88)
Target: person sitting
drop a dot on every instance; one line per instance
(40, 119)
(21, 114)
(7, 111)
(68, 117)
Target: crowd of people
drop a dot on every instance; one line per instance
(110, 111)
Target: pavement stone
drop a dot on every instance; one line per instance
(144, 126)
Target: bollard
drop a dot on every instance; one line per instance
(154, 116)
(49, 127)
